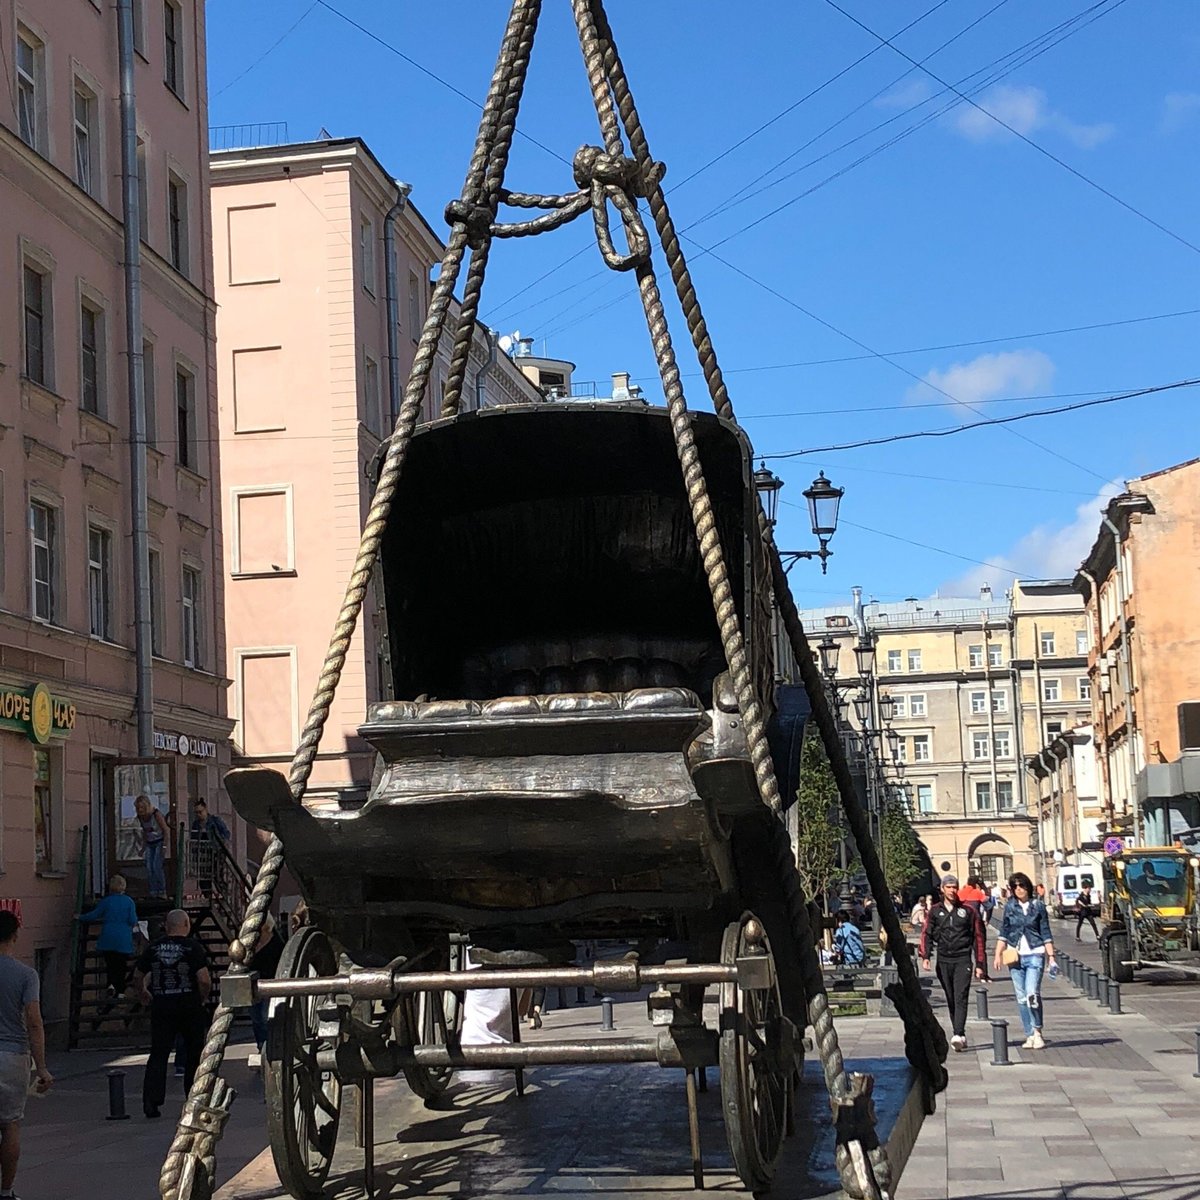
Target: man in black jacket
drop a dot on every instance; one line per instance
(956, 931)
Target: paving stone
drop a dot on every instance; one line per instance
(960, 1173)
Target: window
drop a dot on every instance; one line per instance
(899, 706)
(43, 809)
(366, 255)
(139, 26)
(1085, 688)
(173, 47)
(979, 702)
(995, 654)
(916, 704)
(177, 224)
(999, 701)
(185, 398)
(979, 744)
(893, 660)
(91, 358)
(902, 750)
(143, 192)
(925, 798)
(414, 306)
(190, 606)
(1002, 744)
(372, 417)
(1081, 642)
(100, 582)
(148, 393)
(921, 748)
(1004, 795)
(914, 660)
(1053, 729)
(31, 59)
(87, 150)
(36, 287)
(156, 604)
(43, 539)
(1047, 644)
(983, 795)
(975, 657)
(1050, 690)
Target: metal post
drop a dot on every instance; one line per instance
(514, 1014)
(1114, 997)
(999, 1042)
(1196, 1072)
(1090, 982)
(366, 1105)
(981, 1004)
(606, 1013)
(116, 1097)
(1102, 991)
(694, 1130)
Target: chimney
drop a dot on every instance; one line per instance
(620, 385)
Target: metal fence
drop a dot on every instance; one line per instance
(245, 137)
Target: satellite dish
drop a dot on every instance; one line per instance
(505, 343)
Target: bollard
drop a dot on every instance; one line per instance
(1114, 997)
(1196, 1072)
(1090, 984)
(1077, 973)
(1102, 991)
(981, 1004)
(116, 1097)
(606, 1013)
(999, 1042)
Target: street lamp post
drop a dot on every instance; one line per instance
(823, 502)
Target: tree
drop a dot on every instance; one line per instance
(899, 847)
(818, 837)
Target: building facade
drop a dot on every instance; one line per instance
(1138, 583)
(302, 286)
(68, 678)
(1064, 794)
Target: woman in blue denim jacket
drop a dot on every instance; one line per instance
(1025, 926)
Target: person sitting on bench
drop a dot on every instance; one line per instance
(847, 943)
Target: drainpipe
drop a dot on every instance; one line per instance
(1098, 703)
(493, 356)
(392, 298)
(136, 384)
(1130, 716)
(991, 716)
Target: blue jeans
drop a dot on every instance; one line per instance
(155, 875)
(1027, 983)
(259, 1021)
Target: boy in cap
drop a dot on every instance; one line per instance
(956, 931)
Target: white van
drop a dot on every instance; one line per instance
(1071, 880)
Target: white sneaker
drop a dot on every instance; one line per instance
(1037, 1042)
(1027, 1044)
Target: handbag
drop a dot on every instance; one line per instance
(1011, 956)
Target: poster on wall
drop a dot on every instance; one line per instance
(141, 786)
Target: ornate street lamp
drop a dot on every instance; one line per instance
(887, 707)
(829, 648)
(894, 743)
(823, 500)
(843, 708)
(862, 708)
(864, 656)
(767, 484)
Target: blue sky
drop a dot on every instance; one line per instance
(958, 232)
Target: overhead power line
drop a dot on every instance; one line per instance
(950, 430)
(937, 549)
(283, 37)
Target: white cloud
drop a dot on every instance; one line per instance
(1179, 110)
(1051, 550)
(907, 95)
(1025, 110)
(985, 377)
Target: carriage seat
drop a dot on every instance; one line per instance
(649, 718)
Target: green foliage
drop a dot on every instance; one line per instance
(817, 809)
(900, 853)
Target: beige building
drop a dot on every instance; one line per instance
(301, 239)
(1064, 795)
(1139, 582)
(67, 666)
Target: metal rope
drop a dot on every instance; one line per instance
(208, 1101)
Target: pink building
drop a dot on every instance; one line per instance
(301, 245)
(67, 568)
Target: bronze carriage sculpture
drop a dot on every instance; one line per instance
(588, 738)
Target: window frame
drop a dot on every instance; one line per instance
(1051, 690)
(366, 254)
(920, 740)
(101, 584)
(980, 741)
(995, 654)
(978, 700)
(982, 795)
(92, 309)
(157, 608)
(1081, 643)
(142, 161)
(238, 570)
(975, 657)
(999, 701)
(917, 704)
(1083, 686)
(149, 391)
(51, 545)
(1001, 806)
(1046, 637)
(184, 414)
(44, 316)
(173, 56)
(178, 224)
(895, 662)
(88, 174)
(372, 403)
(32, 85)
(899, 706)
(1002, 744)
(911, 657)
(925, 810)
(414, 306)
(191, 609)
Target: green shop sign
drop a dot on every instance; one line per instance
(35, 713)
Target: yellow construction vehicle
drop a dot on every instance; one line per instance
(1151, 911)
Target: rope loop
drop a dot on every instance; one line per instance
(613, 177)
(476, 220)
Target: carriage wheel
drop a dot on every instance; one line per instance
(303, 1101)
(754, 1084)
(432, 1019)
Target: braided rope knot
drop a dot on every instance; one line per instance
(613, 177)
(476, 219)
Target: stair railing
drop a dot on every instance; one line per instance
(224, 884)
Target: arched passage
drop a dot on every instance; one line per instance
(990, 857)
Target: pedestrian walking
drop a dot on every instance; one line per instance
(848, 950)
(1026, 947)
(954, 930)
(22, 1035)
(117, 915)
(175, 981)
(206, 835)
(976, 895)
(152, 827)
(1085, 910)
(921, 911)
